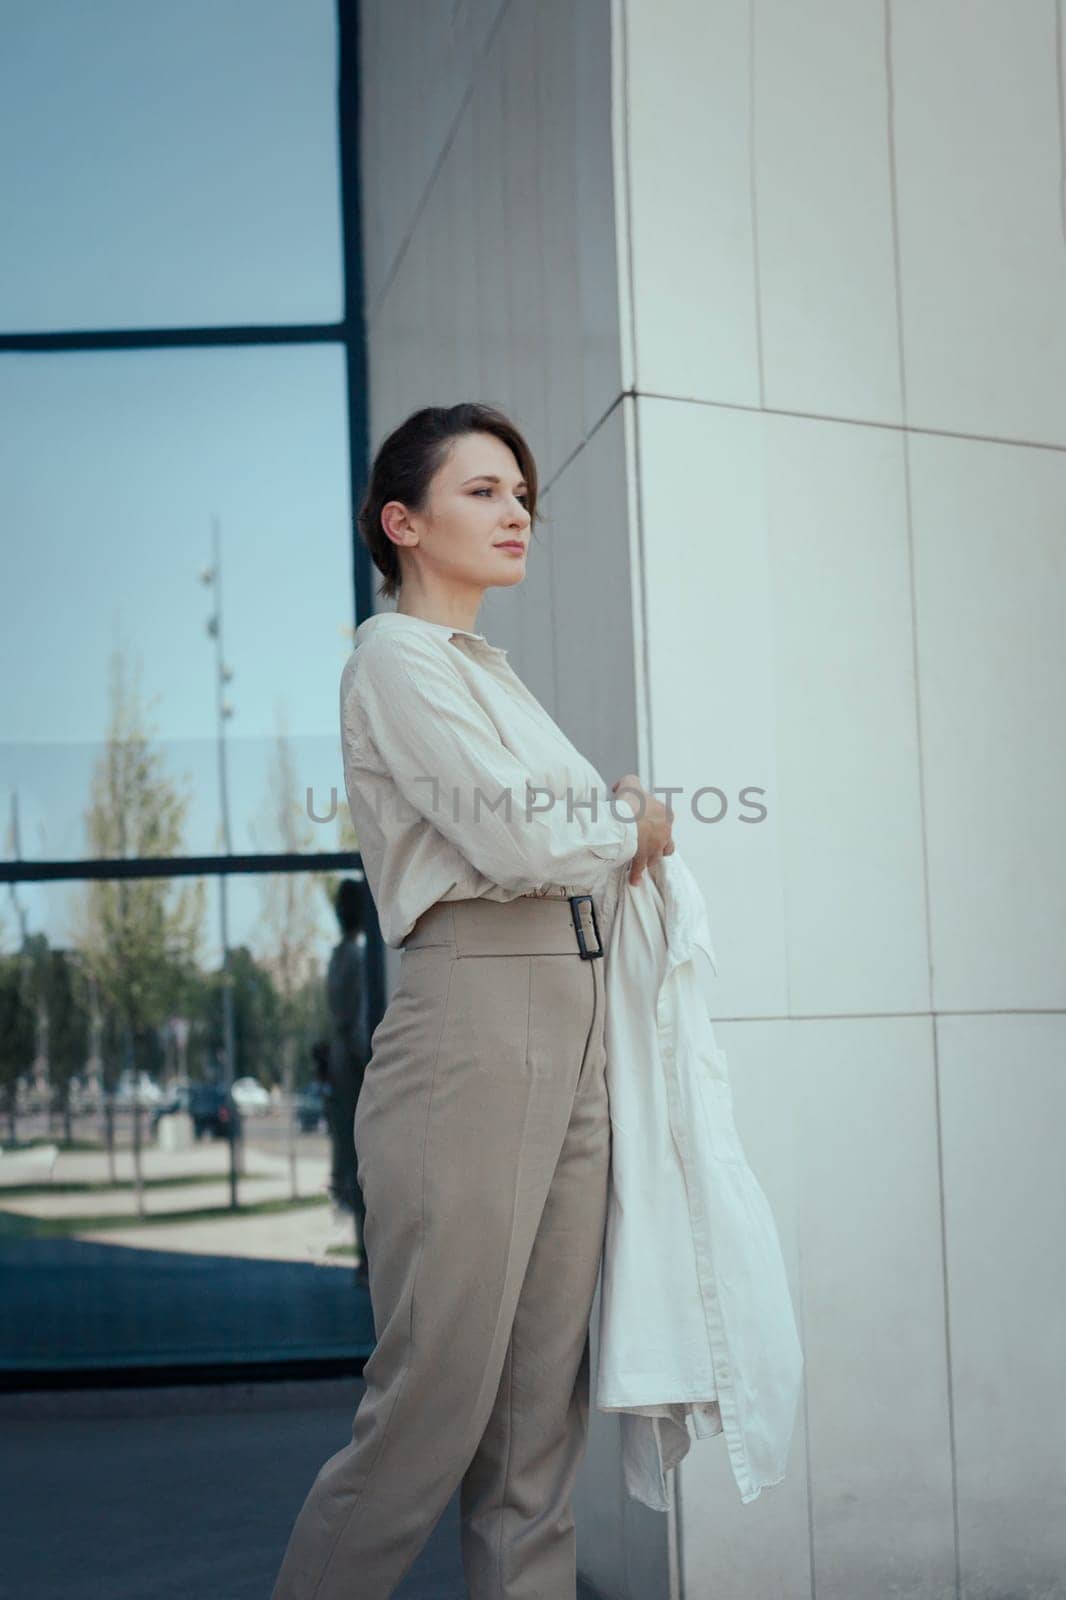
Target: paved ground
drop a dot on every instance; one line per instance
(177, 1494)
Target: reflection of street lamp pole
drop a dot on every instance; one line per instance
(212, 577)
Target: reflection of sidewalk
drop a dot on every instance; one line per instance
(303, 1233)
(209, 1159)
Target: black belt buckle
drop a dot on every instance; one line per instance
(586, 953)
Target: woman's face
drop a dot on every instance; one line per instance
(476, 507)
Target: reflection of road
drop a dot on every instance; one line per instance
(112, 1290)
(88, 1283)
(267, 1128)
(80, 1197)
(273, 1133)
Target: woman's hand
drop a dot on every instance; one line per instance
(654, 824)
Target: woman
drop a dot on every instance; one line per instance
(494, 854)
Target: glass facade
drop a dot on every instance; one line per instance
(182, 392)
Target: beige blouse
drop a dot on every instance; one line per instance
(460, 784)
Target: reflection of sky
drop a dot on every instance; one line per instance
(115, 464)
(162, 166)
(108, 548)
(168, 165)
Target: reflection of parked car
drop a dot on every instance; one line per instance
(211, 1107)
(143, 1088)
(250, 1095)
(311, 1106)
(213, 1111)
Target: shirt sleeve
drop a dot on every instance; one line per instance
(448, 761)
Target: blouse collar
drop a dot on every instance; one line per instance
(404, 619)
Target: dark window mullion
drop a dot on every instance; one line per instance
(177, 338)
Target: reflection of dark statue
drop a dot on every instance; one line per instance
(349, 1046)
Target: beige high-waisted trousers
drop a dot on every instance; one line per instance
(483, 1141)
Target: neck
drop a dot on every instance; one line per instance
(457, 613)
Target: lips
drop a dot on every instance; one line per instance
(511, 544)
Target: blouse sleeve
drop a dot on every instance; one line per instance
(448, 761)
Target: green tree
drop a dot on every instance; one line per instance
(18, 1033)
(139, 938)
(257, 1018)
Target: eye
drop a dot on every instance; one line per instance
(523, 497)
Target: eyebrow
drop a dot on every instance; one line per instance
(490, 477)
